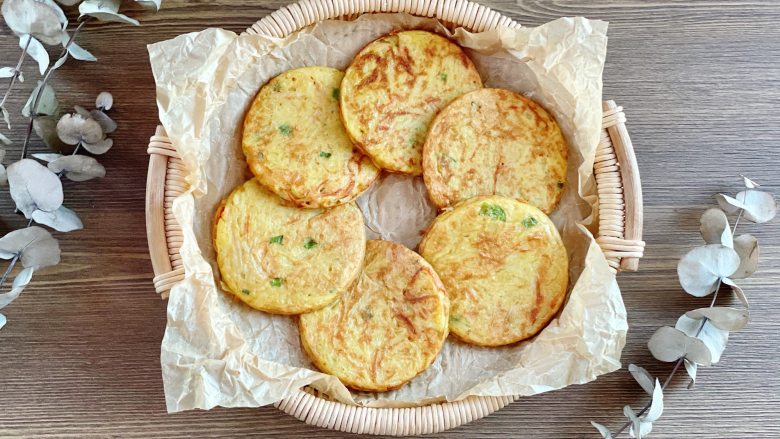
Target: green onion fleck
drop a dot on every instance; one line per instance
(285, 129)
(325, 154)
(276, 239)
(309, 244)
(443, 77)
(530, 222)
(245, 291)
(276, 282)
(492, 211)
(335, 94)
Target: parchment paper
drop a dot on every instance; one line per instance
(217, 351)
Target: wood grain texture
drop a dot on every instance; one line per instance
(80, 353)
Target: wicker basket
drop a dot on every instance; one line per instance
(619, 230)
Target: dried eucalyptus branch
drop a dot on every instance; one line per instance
(37, 188)
(700, 336)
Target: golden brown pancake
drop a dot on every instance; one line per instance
(387, 328)
(495, 142)
(504, 268)
(283, 259)
(394, 87)
(296, 145)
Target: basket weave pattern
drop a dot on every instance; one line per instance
(619, 212)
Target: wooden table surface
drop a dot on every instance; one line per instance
(80, 353)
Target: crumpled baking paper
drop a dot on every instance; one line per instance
(218, 352)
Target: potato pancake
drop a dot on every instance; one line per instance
(394, 87)
(387, 328)
(283, 259)
(495, 142)
(296, 145)
(504, 268)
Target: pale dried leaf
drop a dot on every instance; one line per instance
(644, 429)
(657, 404)
(100, 147)
(714, 339)
(3, 321)
(37, 18)
(691, 368)
(36, 245)
(60, 61)
(57, 10)
(746, 247)
(635, 421)
(3, 176)
(21, 77)
(45, 128)
(6, 117)
(104, 101)
(108, 124)
(47, 103)
(105, 10)
(20, 281)
(33, 186)
(750, 184)
(7, 72)
(47, 157)
(701, 268)
(68, 2)
(728, 204)
(82, 111)
(737, 290)
(150, 4)
(760, 207)
(604, 431)
(61, 220)
(728, 319)
(78, 167)
(715, 228)
(5, 140)
(36, 51)
(74, 128)
(643, 377)
(80, 53)
(669, 344)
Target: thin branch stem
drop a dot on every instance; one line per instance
(44, 81)
(8, 270)
(16, 72)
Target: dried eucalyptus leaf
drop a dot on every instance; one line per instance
(643, 377)
(68, 2)
(79, 52)
(104, 101)
(108, 124)
(750, 184)
(74, 128)
(701, 268)
(760, 207)
(57, 10)
(36, 50)
(100, 147)
(746, 247)
(604, 431)
(3, 321)
(78, 167)
(691, 368)
(728, 319)
(20, 281)
(7, 72)
(150, 4)
(657, 404)
(644, 429)
(670, 344)
(47, 157)
(60, 61)
(36, 245)
(33, 186)
(37, 18)
(715, 228)
(105, 10)
(45, 128)
(82, 111)
(5, 140)
(714, 339)
(61, 220)
(47, 103)
(737, 292)
(6, 117)
(3, 176)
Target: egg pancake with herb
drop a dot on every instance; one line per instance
(384, 330)
(495, 142)
(296, 145)
(504, 268)
(394, 87)
(283, 259)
